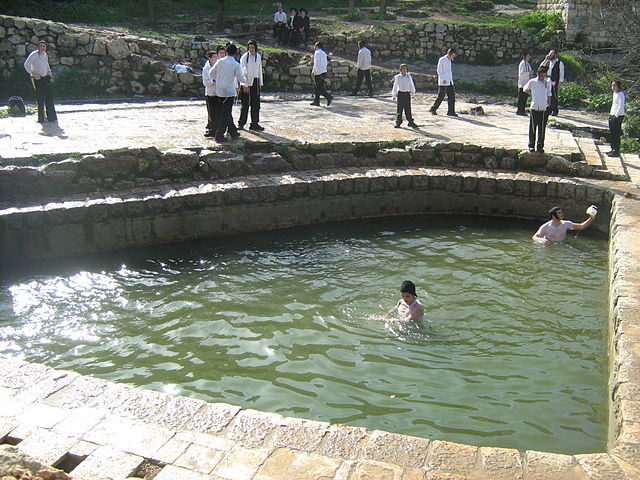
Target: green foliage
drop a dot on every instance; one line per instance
(383, 16)
(16, 82)
(486, 57)
(477, 5)
(542, 26)
(572, 94)
(352, 17)
(601, 83)
(631, 124)
(77, 83)
(630, 145)
(573, 67)
(600, 102)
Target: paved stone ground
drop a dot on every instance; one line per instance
(87, 128)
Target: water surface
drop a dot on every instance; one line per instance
(512, 352)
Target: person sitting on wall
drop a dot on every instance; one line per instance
(305, 32)
(555, 230)
(279, 23)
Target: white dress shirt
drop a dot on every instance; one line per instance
(319, 62)
(280, 17)
(251, 67)
(524, 73)
(551, 64)
(207, 81)
(445, 71)
(225, 73)
(37, 64)
(540, 93)
(617, 107)
(364, 59)
(403, 83)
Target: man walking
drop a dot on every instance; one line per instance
(37, 65)
(318, 72)
(524, 75)
(364, 68)
(540, 90)
(616, 117)
(445, 84)
(555, 68)
(251, 63)
(225, 73)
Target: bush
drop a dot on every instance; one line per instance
(631, 125)
(572, 94)
(600, 102)
(542, 26)
(486, 57)
(383, 16)
(630, 145)
(352, 17)
(478, 5)
(573, 66)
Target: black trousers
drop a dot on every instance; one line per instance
(212, 120)
(320, 89)
(363, 74)
(44, 97)
(251, 99)
(522, 101)
(553, 109)
(225, 117)
(293, 37)
(404, 105)
(279, 30)
(615, 129)
(450, 92)
(537, 124)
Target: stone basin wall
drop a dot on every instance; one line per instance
(130, 168)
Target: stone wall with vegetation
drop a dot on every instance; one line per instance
(583, 19)
(89, 62)
(486, 45)
(143, 168)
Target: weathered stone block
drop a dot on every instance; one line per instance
(117, 49)
(452, 457)
(286, 464)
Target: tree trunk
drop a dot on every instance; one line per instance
(352, 6)
(152, 11)
(220, 12)
(383, 6)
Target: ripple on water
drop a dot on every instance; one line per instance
(290, 322)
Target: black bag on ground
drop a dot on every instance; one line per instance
(16, 107)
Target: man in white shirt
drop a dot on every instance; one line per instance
(251, 63)
(364, 68)
(210, 90)
(616, 116)
(524, 75)
(318, 73)
(403, 91)
(226, 72)
(555, 230)
(279, 23)
(556, 74)
(445, 84)
(540, 90)
(37, 65)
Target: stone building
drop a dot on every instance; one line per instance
(591, 23)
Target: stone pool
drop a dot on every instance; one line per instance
(513, 351)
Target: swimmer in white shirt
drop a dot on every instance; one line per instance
(555, 230)
(408, 307)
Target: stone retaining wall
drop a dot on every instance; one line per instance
(126, 169)
(271, 201)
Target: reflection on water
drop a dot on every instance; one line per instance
(512, 351)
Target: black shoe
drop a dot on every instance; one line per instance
(256, 127)
(540, 150)
(315, 104)
(329, 100)
(613, 154)
(221, 140)
(433, 112)
(371, 94)
(209, 134)
(397, 125)
(412, 125)
(234, 135)
(353, 94)
(522, 114)
(240, 127)
(452, 114)
(41, 121)
(531, 149)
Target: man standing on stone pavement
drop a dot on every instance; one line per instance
(445, 84)
(525, 73)
(37, 65)
(210, 92)
(318, 72)
(226, 72)
(364, 68)
(251, 63)
(540, 90)
(616, 117)
(555, 67)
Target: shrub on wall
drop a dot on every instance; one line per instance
(572, 94)
(542, 26)
(573, 67)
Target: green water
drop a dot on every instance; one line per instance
(512, 352)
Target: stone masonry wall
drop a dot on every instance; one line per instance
(123, 64)
(474, 44)
(125, 169)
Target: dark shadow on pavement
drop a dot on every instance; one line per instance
(52, 129)
(478, 122)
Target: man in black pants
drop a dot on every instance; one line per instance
(445, 84)
(37, 64)
(540, 90)
(616, 118)
(318, 72)
(251, 63)
(364, 68)
(555, 68)
(226, 72)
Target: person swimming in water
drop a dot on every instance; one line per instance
(408, 307)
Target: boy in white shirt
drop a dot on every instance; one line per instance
(37, 65)
(318, 72)
(210, 91)
(279, 23)
(616, 117)
(445, 84)
(524, 75)
(364, 68)
(540, 90)
(403, 90)
(251, 63)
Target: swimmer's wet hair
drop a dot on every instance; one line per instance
(408, 287)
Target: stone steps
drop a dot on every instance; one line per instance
(610, 168)
(613, 165)
(590, 152)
